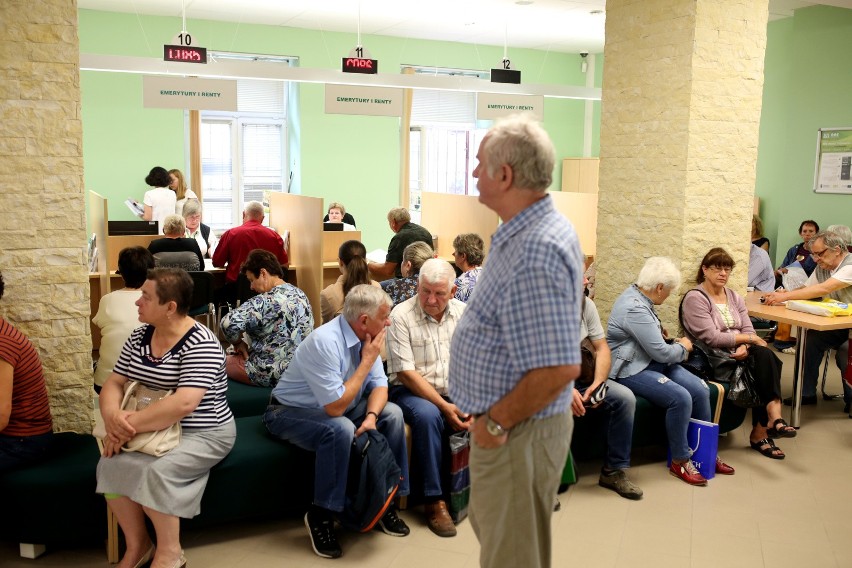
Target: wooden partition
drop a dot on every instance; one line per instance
(99, 279)
(118, 242)
(582, 210)
(302, 216)
(331, 241)
(446, 215)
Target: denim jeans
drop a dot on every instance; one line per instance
(681, 393)
(331, 438)
(818, 342)
(429, 434)
(617, 408)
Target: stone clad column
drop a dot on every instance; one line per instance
(682, 91)
(42, 207)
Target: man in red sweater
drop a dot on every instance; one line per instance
(235, 245)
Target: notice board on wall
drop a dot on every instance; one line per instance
(833, 168)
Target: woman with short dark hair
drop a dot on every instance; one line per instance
(717, 316)
(117, 315)
(275, 322)
(159, 201)
(170, 351)
(468, 252)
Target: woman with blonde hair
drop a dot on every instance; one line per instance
(177, 183)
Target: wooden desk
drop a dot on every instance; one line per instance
(803, 323)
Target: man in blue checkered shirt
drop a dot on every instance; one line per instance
(515, 352)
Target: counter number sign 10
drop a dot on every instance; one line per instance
(184, 52)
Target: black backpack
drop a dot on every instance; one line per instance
(372, 484)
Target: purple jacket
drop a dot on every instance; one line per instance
(702, 321)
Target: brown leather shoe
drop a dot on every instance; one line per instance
(438, 519)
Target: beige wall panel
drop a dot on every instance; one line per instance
(580, 174)
(447, 215)
(331, 241)
(582, 210)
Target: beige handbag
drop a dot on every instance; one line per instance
(157, 443)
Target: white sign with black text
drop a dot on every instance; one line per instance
(494, 105)
(372, 101)
(188, 93)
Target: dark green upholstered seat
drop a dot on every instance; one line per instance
(54, 501)
(262, 476)
(247, 400)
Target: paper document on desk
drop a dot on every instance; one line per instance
(827, 308)
(377, 255)
(135, 207)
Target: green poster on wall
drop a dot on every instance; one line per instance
(833, 169)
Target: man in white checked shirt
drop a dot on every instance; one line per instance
(516, 351)
(418, 346)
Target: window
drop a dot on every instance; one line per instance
(444, 138)
(244, 154)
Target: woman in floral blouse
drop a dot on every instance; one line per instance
(274, 322)
(468, 252)
(413, 257)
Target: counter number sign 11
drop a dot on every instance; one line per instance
(359, 61)
(184, 51)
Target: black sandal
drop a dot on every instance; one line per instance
(769, 451)
(780, 429)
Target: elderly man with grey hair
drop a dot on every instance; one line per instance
(405, 233)
(236, 244)
(334, 390)
(418, 347)
(516, 351)
(831, 278)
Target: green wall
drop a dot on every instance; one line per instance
(808, 85)
(352, 159)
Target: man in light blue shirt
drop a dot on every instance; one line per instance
(333, 391)
(516, 350)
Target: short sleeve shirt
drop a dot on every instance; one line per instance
(408, 233)
(590, 325)
(325, 360)
(525, 314)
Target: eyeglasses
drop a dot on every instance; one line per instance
(727, 269)
(816, 255)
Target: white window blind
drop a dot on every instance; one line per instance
(265, 97)
(442, 107)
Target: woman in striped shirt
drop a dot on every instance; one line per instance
(172, 351)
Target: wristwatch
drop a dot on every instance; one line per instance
(494, 428)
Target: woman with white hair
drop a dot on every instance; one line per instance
(844, 233)
(647, 362)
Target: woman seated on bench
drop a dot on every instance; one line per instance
(26, 427)
(647, 362)
(717, 316)
(170, 352)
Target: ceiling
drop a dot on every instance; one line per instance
(570, 26)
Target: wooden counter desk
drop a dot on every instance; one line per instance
(803, 322)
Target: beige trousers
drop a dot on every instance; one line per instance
(513, 489)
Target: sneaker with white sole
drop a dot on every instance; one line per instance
(323, 539)
(391, 524)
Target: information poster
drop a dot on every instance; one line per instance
(833, 172)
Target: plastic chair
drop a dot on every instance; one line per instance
(202, 298)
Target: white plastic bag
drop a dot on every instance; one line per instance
(795, 277)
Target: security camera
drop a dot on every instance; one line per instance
(584, 54)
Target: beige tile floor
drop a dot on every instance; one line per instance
(792, 513)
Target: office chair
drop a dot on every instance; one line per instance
(202, 298)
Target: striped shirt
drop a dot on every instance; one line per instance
(196, 361)
(525, 313)
(418, 342)
(30, 408)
